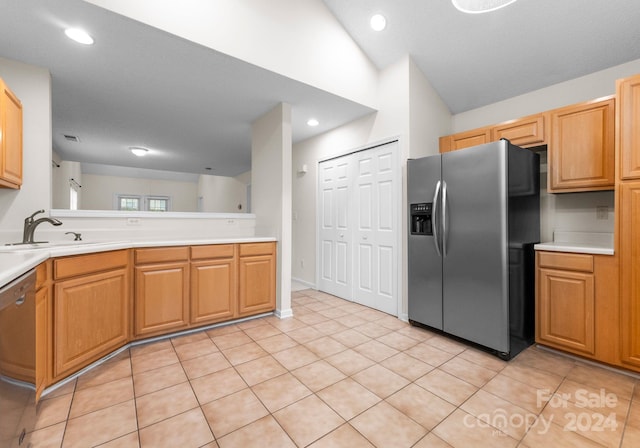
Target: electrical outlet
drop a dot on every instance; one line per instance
(231, 222)
(133, 221)
(602, 212)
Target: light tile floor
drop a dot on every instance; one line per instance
(337, 375)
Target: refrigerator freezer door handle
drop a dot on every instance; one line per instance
(435, 220)
(444, 219)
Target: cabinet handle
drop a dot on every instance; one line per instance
(21, 300)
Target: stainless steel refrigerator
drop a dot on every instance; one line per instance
(474, 216)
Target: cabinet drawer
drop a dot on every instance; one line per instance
(212, 251)
(570, 262)
(249, 249)
(87, 264)
(161, 254)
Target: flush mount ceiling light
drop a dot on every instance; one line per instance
(480, 6)
(378, 22)
(79, 36)
(139, 151)
(313, 122)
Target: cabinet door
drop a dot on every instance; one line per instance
(527, 131)
(213, 290)
(10, 138)
(565, 310)
(90, 319)
(161, 298)
(467, 139)
(17, 344)
(628, 115)
(630, 272)
(581, 152)
(257, 288)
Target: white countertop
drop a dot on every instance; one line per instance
(579, 242)
(16, 260)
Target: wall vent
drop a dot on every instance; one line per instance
(71, 138)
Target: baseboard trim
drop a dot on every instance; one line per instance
(303, 282)
(283, 314)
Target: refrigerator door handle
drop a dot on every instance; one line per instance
(436, 221)
(444, 219)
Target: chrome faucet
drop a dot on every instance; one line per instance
(30, 225)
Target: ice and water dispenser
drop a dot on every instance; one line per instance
(421, 223)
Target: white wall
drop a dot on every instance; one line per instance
(565, 211)
(32, 85)
(409, 109)
(271, 192)
(299, 39)
(60, 176)
(221, 194)
(98, 191)
(585, 88)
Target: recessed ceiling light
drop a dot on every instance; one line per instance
(79, 36)
(378, 22)
(139, 151)
(313, 122)
(480, 6)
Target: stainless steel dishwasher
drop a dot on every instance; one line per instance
(17, 361)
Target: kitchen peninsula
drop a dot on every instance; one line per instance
(96, 297)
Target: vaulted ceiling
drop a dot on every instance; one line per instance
(193, 106)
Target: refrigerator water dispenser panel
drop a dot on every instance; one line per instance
(421, 223)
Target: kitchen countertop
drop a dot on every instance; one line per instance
(579, 242)
(16, 260)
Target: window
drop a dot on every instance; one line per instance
(128, 202)
(157, 203)
(134, 203)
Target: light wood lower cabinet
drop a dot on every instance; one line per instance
(161, 290)
(576, 306)
(83, 309)
(43, 327)
(213, 283)
(257, 273)
(90, 311)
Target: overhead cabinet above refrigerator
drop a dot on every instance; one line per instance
(474, 218)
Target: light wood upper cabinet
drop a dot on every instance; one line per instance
(582, 149)
(628, 122)
(10, 138)
(161, 290)
(257, 273)
(465, 139)
(527, 131)
(629, 243)
(213, 283)
(90, 311)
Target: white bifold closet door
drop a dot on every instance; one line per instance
(359, 219)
